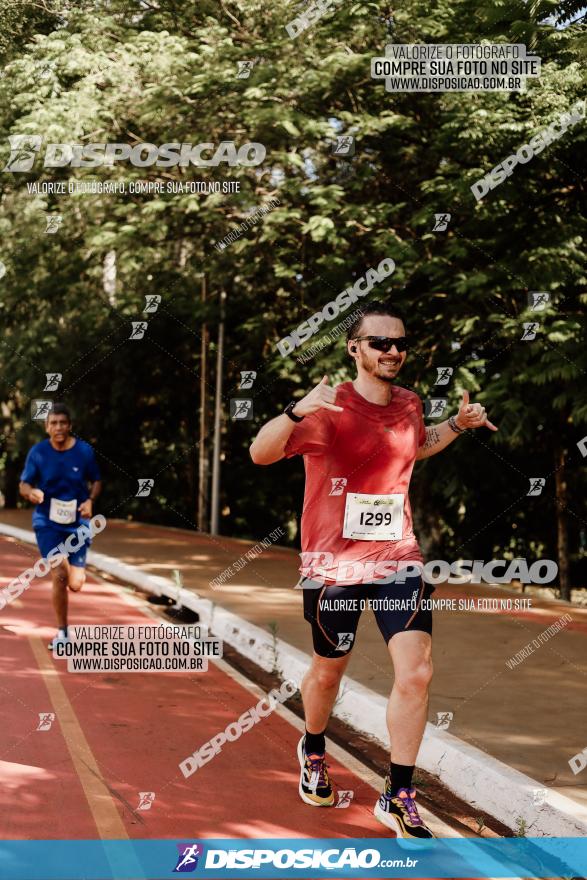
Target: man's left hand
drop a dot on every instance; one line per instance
(472, 415)
(85, 509)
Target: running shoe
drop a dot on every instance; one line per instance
(60, 639)
(315, 788)
(400, 813)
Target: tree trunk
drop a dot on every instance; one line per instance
(11, 472)
(562, 539)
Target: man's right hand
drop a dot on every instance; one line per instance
(36, 496)
(320, 397)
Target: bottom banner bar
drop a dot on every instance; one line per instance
(539, 857)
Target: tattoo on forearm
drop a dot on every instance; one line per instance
(432, 438)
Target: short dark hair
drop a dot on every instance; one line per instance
(374, 308)
(60, 409)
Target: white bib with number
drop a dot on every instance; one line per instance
(374, 517)
(63, 512)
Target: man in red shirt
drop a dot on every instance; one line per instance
(359, 442)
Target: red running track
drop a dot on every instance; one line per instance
(118, 734)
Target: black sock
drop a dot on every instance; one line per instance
(315, 743)
(400, 776)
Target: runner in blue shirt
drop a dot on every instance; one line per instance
(61, 477)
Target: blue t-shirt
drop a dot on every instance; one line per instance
(60, 475)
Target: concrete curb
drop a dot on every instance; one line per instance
(479, 779)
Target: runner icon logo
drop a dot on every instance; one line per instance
(145, 486)
(247, 379)
(441, 222)
(529, 333)
(539, 796)
(40, 409)
(241, 408)
(189, 855)
(53, 380)
(537, 484)
(152, 302)
(345, 641)
(344, 146)
(244, 69)
(338, 485)
(146, 799)
(344, 799)
(434, 407)
(54, 221)
(444, 374)
(46, 719)
(538, 300)
(443, 720)
(139, 328)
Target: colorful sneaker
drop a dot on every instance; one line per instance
(400, 813)
(315, 788)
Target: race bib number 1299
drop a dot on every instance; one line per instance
(373, 517)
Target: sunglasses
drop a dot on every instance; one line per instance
(384, 343)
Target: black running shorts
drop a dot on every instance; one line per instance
(334, 611)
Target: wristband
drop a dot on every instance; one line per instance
(288, 412)
(452, 423)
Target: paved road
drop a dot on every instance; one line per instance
(115, 735)
(531, 716)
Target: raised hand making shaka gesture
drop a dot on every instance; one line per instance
(322, 396)
(472, 415)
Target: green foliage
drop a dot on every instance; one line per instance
(167, 72)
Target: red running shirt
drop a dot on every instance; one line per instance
(373, 449)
